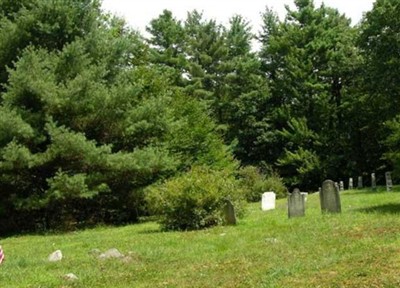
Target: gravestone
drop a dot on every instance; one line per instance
(351, 184)
(330, 198)
(360, 182)
(268, 201)
(389, 183)
(337, 186)
(230, 216)
(296, 204)
(305, 194)
(373, 181)
(341, 186)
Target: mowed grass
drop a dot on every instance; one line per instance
(358, 248)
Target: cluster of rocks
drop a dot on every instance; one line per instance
(112, 253)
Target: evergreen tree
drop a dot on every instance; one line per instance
(309, 59)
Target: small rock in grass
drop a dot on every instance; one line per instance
(70, 277)
(271, 240)
(111, 253)
(55, 256)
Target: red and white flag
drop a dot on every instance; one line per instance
(1, 255)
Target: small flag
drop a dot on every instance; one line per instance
(1, 255)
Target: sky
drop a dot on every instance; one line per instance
(138, 14)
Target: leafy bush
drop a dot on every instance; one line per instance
(254, 183)
(194, 200)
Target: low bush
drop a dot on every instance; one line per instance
(254, 183)
(194, 200)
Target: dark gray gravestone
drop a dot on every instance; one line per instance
(389, 183)
(373, 181)
(360, 182)
(351, 184)
(330, 198)
(341, 186)
(296, 204)
(230, 216)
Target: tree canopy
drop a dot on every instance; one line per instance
(93, 112)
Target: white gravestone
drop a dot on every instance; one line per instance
(305, 194)
(268, 201)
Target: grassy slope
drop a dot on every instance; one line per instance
(359, 248)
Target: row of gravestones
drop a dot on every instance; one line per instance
(328, 193)
(388, 178)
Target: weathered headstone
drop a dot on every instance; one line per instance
(268, 201)
(337, 186)
(230, 216)
(373, 181)
(319, 189)
(360, 182)
(330, 198)
(341, 186)
(389, 183)
(296, 204)
(351, 186)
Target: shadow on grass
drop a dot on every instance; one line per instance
(382, 209)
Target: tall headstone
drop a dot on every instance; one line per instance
(268, 201)
(389, 183)
(296, 204)
(341, 186)
(351, 186)
(330, 198)
(360, 182)
(373, 181)
(230, 216)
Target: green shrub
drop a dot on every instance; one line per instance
(194, 200)
(254, 183)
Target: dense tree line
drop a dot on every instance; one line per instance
(92, 112)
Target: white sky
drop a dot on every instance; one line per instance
(138, 14)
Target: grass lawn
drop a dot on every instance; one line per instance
(358, 248)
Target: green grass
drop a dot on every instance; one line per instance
(358, 248)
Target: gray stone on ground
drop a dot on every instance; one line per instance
(296, 204)
(70, 277)
(330, 198)
(341, 186)
(55, 256)
(373, 181)
(389, 183)
(111, 253)
(229, 211)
